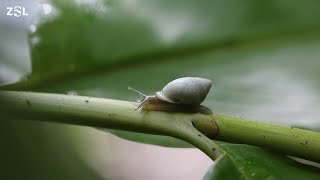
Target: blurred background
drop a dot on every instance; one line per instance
(262, 56)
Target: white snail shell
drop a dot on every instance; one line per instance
(187, 91)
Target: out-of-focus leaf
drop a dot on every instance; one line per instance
(29, 151)
(83, 36)
(248, 162)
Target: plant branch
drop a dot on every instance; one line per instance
(288, 140)
(193, 128)
(107, 113)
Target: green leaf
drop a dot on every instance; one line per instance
(33, 150)
(78, 38)
(248, 162)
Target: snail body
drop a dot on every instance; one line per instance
(185, 93)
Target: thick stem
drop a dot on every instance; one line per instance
(288, 140)
(107, 113)
(191, 127)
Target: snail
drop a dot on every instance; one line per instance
(182, 94)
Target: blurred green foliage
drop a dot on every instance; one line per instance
(248, 162)
(263, 58)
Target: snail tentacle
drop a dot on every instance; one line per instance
(145, 97)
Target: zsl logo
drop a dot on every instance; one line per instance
(16, 11)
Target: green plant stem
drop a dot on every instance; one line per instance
(291, 141)
(108, 113)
